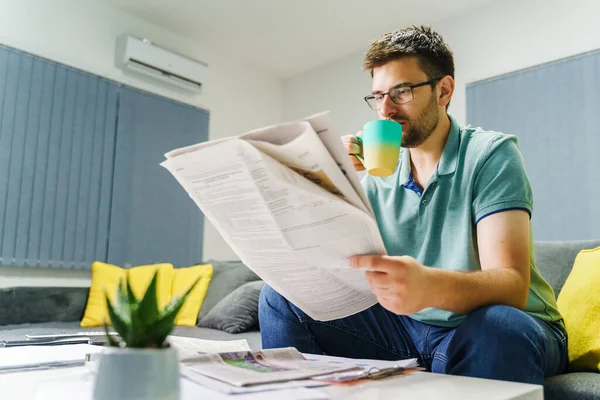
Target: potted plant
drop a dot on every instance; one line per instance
(140, 364)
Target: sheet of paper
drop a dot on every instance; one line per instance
(190, 347)
(260, 367)
(308, 156)
(225, 388)
(361, 363)
(328, 133)
(40, 356)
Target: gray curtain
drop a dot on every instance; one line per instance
(57, 133)
(80, 179)
(153, 218)
(554, 110)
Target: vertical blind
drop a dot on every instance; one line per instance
(80, 179)
(153, 218)
(554, 110)
(57, 135)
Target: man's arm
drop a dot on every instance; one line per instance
(405, 286)
(503, 243)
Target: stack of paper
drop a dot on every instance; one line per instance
(26, 358)
(276, 369)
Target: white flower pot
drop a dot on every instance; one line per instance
(138, 374)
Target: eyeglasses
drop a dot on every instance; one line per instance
(399, 95)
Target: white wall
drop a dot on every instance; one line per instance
(82, 34)
(501, 37)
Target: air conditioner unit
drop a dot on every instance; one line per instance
(142, 56)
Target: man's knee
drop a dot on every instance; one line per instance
(271, 301)
(497, 342)
(498, 326)
(269, 298)
(500, 319)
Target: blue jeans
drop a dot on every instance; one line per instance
(494, 342)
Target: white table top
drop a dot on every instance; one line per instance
(77, 383)
(425, 385)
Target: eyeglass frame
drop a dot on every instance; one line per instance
(411, 87)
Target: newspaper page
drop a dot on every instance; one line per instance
(191, 347)
(249, 368)
(288, 202)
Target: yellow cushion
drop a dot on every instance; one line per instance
(184, 277)
(140, 277)
(106, 278)
(579, 303)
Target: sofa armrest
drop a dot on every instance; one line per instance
(554, 259)
(21, 305)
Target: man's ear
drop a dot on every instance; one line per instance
(446, 90)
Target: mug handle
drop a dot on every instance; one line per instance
(360, 158)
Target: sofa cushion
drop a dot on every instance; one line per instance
(227, 276)
(237, 312)
(182, 279)
(554, 259)
(19, 305)
(579, 385)
(579, 303)
(106, 279)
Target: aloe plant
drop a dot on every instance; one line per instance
(140, 323)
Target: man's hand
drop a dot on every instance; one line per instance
(353, 147)
(401, 284)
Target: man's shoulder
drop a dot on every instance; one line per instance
(476, 143)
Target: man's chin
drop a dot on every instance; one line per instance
(408, 140)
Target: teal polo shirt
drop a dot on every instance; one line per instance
(480, 173)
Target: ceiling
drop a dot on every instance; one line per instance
(287, 37)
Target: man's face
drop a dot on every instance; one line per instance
(418, 117)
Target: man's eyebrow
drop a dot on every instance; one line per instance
(394, 87)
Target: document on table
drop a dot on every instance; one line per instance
(191, 347)
(39, 357)
(68, 355)
(250, 368)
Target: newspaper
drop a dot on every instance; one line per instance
(252, 368)
(188, 347)
(289, 203)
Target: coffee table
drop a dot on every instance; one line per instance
(426, 385)
(76, 383)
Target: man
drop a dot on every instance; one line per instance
(460, 289)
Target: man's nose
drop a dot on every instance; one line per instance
(388, 108)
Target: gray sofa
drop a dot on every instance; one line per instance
(58, 310)
(555, 260)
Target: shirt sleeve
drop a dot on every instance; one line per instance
(501, 182)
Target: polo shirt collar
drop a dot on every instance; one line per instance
(405, 168)
(447, 164)
(449, 158)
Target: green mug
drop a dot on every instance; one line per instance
(380, 142)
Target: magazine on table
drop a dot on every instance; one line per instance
(273, 369)
(288, 201)
(248, 368)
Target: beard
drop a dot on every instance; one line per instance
(416, 130)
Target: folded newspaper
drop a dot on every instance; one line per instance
(288, 201)
(274, 369)
(249, 368)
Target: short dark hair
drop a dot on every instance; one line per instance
(422, 42)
